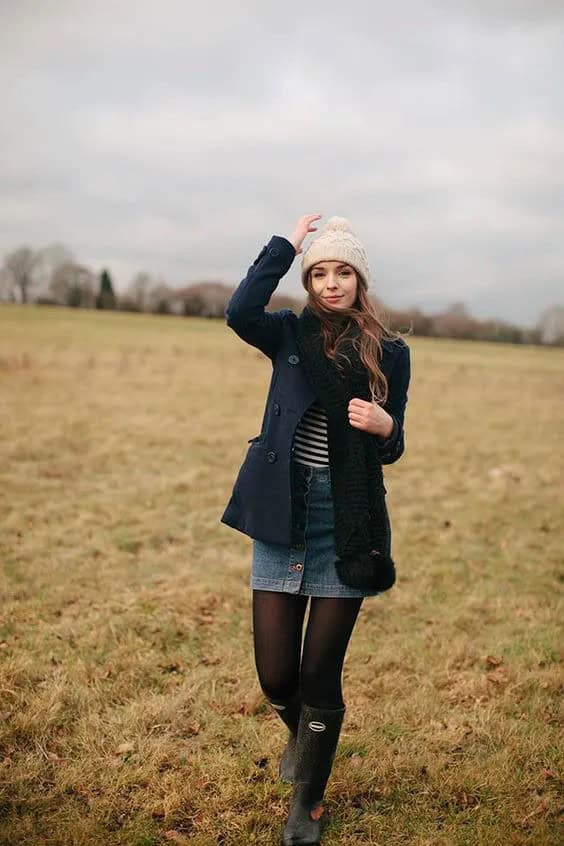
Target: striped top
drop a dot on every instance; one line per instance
(310, 438)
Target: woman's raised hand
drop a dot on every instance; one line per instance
(303, 227)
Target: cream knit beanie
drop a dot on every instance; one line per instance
(336, 242)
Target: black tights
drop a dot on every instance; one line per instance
(277, 632)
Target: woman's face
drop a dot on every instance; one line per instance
(334, 283)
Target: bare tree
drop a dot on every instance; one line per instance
(7, 288)
(455, 322)
(21, 267)
(51, 258)
(551, 325)
(159, 297)
(139, 287)
(74, 285)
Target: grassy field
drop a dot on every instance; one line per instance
(130, 712)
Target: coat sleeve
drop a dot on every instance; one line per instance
(393, 447)
(245, 312)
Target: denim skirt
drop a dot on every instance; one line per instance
(307, 565)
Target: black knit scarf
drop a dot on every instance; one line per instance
(357, 482)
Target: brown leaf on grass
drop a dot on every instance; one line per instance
(466, 800)
(205, 608)
(173, 836)
(124, 748)
(499, 676)
(210, 601)
(490, 661)
(251, 705)
(192, 728)
(81, 792)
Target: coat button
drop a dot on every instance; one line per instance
(274, 251)
(276, 408)
(271, 456)
(293, 359)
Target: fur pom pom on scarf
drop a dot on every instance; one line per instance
(362, 526)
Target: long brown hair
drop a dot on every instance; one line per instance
(369, 320)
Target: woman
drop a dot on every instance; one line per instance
(311, 493)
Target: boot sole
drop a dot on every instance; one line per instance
(324, 821)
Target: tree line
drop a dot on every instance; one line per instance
(52, 276)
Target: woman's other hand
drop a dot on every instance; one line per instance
(303, 227)
(370, 417)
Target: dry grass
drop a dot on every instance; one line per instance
(130, 711)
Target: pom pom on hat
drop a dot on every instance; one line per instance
(337, 241)
(338, 224)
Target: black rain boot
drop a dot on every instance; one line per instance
(288, 710)
(318, 735)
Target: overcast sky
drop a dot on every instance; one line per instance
(177, 137)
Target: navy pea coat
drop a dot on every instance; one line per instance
(261, 501)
